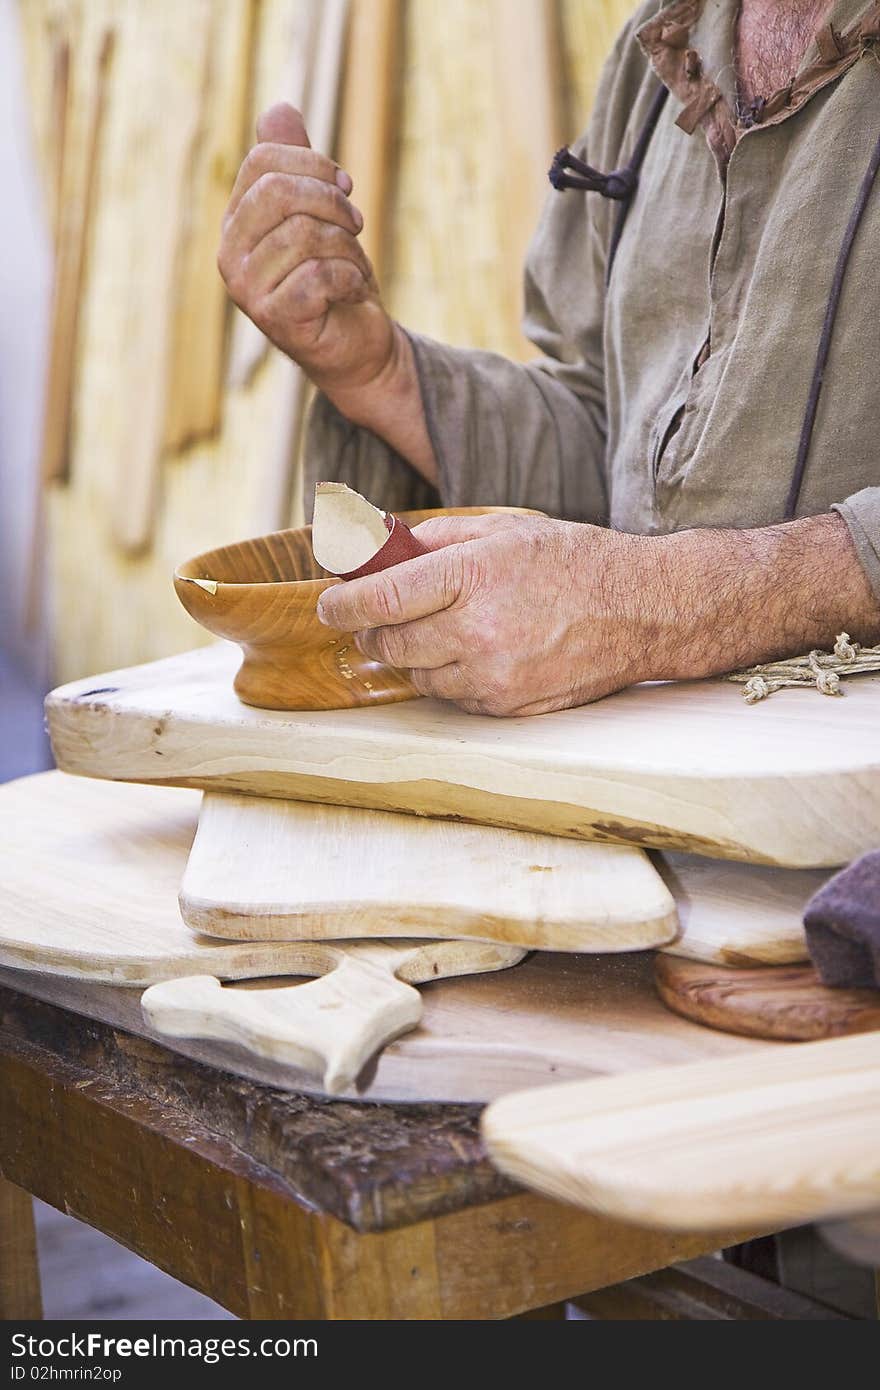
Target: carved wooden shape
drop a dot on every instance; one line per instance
(333, 1026)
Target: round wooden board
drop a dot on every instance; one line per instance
(786, 1003)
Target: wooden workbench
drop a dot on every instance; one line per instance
(279, 1205)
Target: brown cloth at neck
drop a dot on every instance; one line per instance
(842, 922)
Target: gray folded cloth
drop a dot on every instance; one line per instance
(842, 923)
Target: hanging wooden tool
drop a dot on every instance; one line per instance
(333, 1026)
(201, 305)
(145, 374)
(782, 1137)
(76, 180)
(58, 121)
(248, 345)
(368, 117)
(276, 492)
(785, 1002)
(265, 869)
(529, 78)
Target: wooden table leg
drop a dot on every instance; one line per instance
(19, 1269)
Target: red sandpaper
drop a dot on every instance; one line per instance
(400, 545)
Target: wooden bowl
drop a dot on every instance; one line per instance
(262, 594)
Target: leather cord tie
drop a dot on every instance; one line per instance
(620, 185)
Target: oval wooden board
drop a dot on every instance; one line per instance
(91, 872)
(785, 1002)
(263, 869)
(794, 780)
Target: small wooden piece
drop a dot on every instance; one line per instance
(20, 1298)
(263, 869)
(333, 1026)
(786, 1002)
(738, 914)
(673, 766)
(263, 594)
(782, 1137)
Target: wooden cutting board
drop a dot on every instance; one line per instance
(333, 1026)
(738, 914)
(91, 872)
(794, 780)
(265, 869)
(787, 1002)
(784, 1136)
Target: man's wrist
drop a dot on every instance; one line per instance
(736, 598)
(388, 401)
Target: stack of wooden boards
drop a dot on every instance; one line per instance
(526, 834)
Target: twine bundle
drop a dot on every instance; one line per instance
(822, 670)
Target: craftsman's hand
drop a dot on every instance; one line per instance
(510, 614)
(520, 614)
(292, 261)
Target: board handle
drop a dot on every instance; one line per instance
(329, 1027)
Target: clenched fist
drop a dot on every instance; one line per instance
(291, 258)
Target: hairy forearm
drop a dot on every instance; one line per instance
(390, 405)
(728, 599)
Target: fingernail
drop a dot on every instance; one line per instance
(358, 217)
(320, 611)
(344, 180)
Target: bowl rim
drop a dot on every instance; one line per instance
(302, 585)
(237, 585)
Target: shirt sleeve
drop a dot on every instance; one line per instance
(861, 512)
(506, 433)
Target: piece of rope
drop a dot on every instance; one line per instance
(822, 670)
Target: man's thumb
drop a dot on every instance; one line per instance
(282, 124)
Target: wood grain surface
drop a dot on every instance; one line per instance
(331, 1027)
(264, 869)
(738, 914)
(784, 1136)
(91, 872)
(788, 1002)
(793, 781)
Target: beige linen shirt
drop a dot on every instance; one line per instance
(675, 397)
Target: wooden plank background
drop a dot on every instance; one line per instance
(161, 167)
